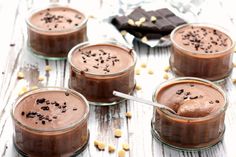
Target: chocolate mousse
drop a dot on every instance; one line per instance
(200, 106)
(50, 122)
(201, 51)
(99, 69)
(54, 30)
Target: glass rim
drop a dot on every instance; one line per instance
(45, 89)
(107, 42)
(192, 119)
(32, 11)
(211, 26)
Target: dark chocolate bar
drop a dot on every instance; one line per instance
(152, 24)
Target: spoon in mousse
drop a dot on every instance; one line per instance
(147, 102)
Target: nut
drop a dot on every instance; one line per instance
(41, 78)
(131, 22)
(123, 32)
(128, 114)
(118, 133)
(20, 75)
(34, 87)
(138, 23)
(142, 19)
(101, 146)
(121, 153)
(48, 68)
(143, 65)
(111, 148)
(96, 142)
(234, 64)
(234, 81)
(138, 87)
(166, 76)
(144, 39)
(150, 72)
(23, 90)
(153, 19)
(137, 71)
(125, 146)
(167, 68)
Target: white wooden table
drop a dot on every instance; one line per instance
(14, 57)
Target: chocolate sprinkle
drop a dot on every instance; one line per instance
(40, 101)
(180, 91)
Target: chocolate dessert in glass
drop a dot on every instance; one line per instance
(54, 30)
(50, 122)
(97, 69)
(201, 50)
(200, 107)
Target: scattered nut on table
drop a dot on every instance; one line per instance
(143, 65)
(150, 72)
(101, 146)
(234, 81)
(111, 148)
(125, 146)
(138, 87)
(20, 75)
(41, 78)
(123, 32)
(48, 68)
(144, 39)
(166, 76)
(121, 153)
(137, 71)
(128, 114)
(34, 87)
(118, 133)
(22, 91)
(167, 68)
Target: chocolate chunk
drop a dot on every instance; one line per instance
(45, 108)
(176, 21)
(40, 101)
(194, 97)
(180, 91)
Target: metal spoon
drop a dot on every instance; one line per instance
(147, 102)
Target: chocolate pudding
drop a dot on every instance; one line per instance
(201, 51)
(99, 69)
(54, 30)
(200, 106)
(50, 122)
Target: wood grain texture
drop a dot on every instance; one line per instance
(102, 120)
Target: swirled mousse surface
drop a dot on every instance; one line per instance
(191, 99)
(102, 59)
(50, 110)
(200, 39)
(57, 19)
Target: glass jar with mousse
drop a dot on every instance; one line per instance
(51, 122)
(53, 30)
(200, 107)
(201, 50)
(98, 69)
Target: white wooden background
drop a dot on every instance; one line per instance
(14, 57)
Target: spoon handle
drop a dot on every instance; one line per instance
(126, 96)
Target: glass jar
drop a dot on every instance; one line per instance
(201, 50)
(51, 122)
(189, 132)
(52, 33)
(95, 84)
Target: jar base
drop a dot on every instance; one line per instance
(219, 81)
(32, 51)
(156, 136)
(80, 150)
